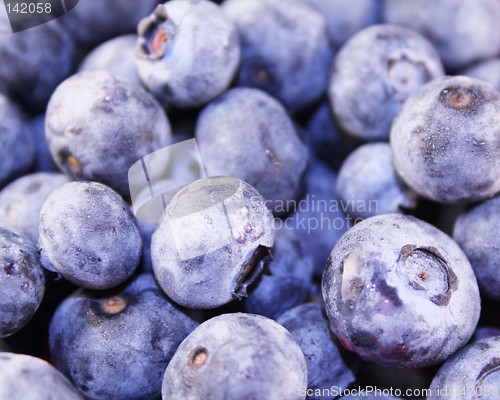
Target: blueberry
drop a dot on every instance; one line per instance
(368, 184)
(18, 150)
(374, 73)
(22, 282)
(188, 52)
(470, 373)
(285, 49)
(43, 159)
(22, 200)
(487, 70)
(476, 231)
(237, 356)
(93, 22)
(319, 219)
(400, 293)
(116, 55)
(248, 134)
(116, 345)
(463, 31)
(24, 377)
(287, 281)
(34, 62)
(325, 366)
(212, 240)
(89, 236)
(99, 124)
(445, 140)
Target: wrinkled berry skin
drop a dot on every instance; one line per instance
(34, 62)
(248, 134)
(22, 200)
(287, 280)
(446, 140)
(476, 232)
(98, 125)
(469, 374)
(117, 345)
(400, 293)
(285, 49)
(367, 180)
(93, 22)
(89, 236)
(463, 31)
(188, 52)
(212, 240)
(487, 70)
(22, 282)
(237, 356)
(18, 148)
(24, 377)
(117, 56)
(374, 73)
(325, 366)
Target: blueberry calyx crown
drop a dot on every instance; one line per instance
(114, 305)
(197, 357)
(153, 37)
(492, 367)
(459, 98)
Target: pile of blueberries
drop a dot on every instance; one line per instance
(345, 242)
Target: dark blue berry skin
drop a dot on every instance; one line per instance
(24, 377)
(237, 356)
(452, 26)
(487, 70)
(485, 332)
(287, 280)
(43, 159)
(345, 19)
(476, 232)
(116, 56)
(325, 138)
(89, 236)
(93, 22)
(325, 366)
(212, 240)
(188, 52)
(445, 141)
(367, 177)
(471, 373)
(248, 134)
(22, 283)
(22, 200)
(319, 220)
(34, 62)
(98, 125)
(400, 293)
(146, 229)
(285, 49)
(374, 73)
(18, 149)
(116, 345)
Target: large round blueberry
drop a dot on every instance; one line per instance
(248, 134)
(237, 356)
(476, 231)
(211, 242)
(24, 377)
(445, 141)
(400, 293)
(22, 283)
(325, 366)
(98, 125)
(374, 73)
(188, 52)
(471, 373)
(22, 200)
(368, 185)
(89, 236)
(116, 345)
(17, 149)
(285, 49)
